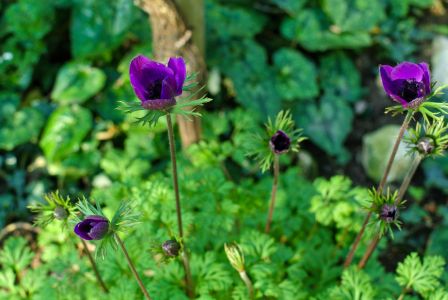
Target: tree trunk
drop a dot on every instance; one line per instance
(178, 30)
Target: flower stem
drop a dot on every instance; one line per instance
(185, 259)
(94, 267)
(407, 180)
(248, 283)
(132, 267)
(403, 128)
(403, 188)
(175, 178)
(273, 193)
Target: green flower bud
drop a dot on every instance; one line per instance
(60, 213)
(235, 255)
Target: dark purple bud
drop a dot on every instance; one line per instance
(92, 228)
(171, 248)
(156, 84)
(389, 213)
(60, 213)
(280, 142)
(425, 145)
(407, 83)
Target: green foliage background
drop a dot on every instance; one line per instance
(63, 69)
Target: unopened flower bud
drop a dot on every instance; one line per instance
(425, 145)
(389, 213)
(280, 142)
(235, 256)
(60, 213)
(92, 228)
(171, 248)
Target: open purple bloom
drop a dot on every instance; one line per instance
(280, 142)
(92, 228)
(389, 213)
(156, 84)
(407, 83)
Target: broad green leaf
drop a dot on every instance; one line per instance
(30, 20)
(291, 6)
(17, 126)
(66, 129)
(337, 27)
(296, 75)
(245, 63)
(225, 22)
(98, 27)
(340, 77)
(76, 83)
(327, 124)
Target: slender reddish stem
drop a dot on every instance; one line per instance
(94, 267)
(185, 259)
(132, 267)
(273, 193)
(381, 185)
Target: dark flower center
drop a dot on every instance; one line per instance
(171, 248)
(412, 90)
(280, 142)
(155, 89)
(389, 213)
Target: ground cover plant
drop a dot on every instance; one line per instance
(273, 202)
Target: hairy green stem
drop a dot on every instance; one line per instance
(132, 267)
(248, 283)
(403, 128)
(185, 259)
(273, 193)
(403, 188)
(94, 267)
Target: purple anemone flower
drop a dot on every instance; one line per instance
(92, 228)
(389, 213)
(156, 84)
(407, 83)
(280, 142)
(171, 248)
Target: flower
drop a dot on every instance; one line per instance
(389, 213)
(156, 84)
(92, 228)
(171, 248)
(280, 142)
(407, 83)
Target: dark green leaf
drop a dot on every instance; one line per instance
(76, 83)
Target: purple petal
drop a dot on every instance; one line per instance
(82, 229)
(177, 64)
(385, 72)
(99, 230)
(426, 77)
(144, 72)
(407, 71)
(168, 88)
